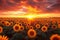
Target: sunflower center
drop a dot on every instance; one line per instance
(31, 33)
(55, 38)
(44, 28)
(16, 27)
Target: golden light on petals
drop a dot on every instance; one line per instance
(44, 28)
(55, 37)
(31, 33)
(3, 37)
(1, 29)
(16, 27)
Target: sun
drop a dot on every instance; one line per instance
(30, 17)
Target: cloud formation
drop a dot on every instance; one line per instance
(39, 4)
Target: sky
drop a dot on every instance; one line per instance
(12, 7)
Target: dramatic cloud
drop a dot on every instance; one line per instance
(13, 5)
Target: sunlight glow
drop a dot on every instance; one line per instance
(30, 16)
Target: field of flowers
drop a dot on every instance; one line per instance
(24, 29)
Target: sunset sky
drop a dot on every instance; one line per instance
(23, 7)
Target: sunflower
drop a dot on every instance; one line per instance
(54, 27)
(46, 24)
(55, 37)
(16, 27)
(12, 23)
(30, 27)
(27, 26)
(31, 33)
(6, 23)
(19, 23)
(44, 28)
(37, 26)
(21, 28)
(2, 22)
(3, 37)
(1, 29)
